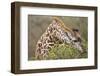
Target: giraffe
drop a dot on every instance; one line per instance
(55, 33)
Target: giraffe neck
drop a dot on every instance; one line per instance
(46, 41)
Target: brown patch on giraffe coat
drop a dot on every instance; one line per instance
(40, 44)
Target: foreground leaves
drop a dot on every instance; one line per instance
(63, 51)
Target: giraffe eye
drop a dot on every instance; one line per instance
(79, 39)
(75, 40)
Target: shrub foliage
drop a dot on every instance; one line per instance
(63, 51)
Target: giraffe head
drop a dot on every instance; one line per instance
(66, 35)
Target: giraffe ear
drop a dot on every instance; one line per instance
(75, 30)
(77, 34)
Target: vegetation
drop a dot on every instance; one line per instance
(63, 51)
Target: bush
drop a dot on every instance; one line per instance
(63, 51)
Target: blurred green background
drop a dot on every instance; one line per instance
(37, 25)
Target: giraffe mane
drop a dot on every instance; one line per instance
(62, 24)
